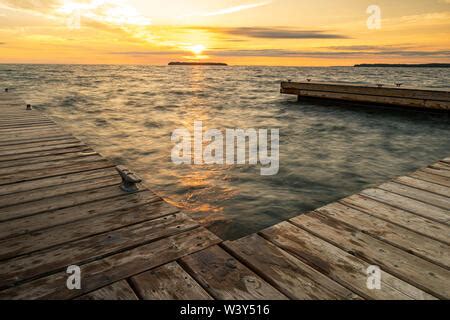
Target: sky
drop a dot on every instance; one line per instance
(238, 32)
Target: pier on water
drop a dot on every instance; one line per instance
(61, 205)
(379, 94)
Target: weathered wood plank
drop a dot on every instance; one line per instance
(424, 185)
(413, 93)
(420, 208)
(28, 135)
(104, 190)
(114, 268)
(31, 242)
(438, 171)
(35, 175)
(417, 194)
(168, 282)
(415, 103)
(40, 149)
(33, 129)
(27, 124)
(117, 291)
(49, 165)
(225, 278)
(40, 160)
(416, 271)
(339, 265)
(20, 126)
(55, 181)
(46, 137)
(96, 247)
(39, 144)
(39, 154)
(400, 217)
(286, 273)
(49, 193)
(51, 219)
(412, 242)
(441, 165)
(430, 177)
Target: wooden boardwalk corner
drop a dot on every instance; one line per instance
(61, 205)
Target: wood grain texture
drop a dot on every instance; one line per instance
(168, 282)
(339, 265)
(225, 278)
(50, 237)
(412, 269)
(105, 271)
(425, 185)
(405, 219)
(117, 291)
(82, 251)
(417, 207)
(409, 241)
(418, 194)
(289, 275)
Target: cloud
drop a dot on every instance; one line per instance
(329, 54)
(230, 10)
(37, 6)
(112, 12)
(274, 33)
(148, 53)
(370, 48)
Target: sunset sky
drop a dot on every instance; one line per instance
(239, 32)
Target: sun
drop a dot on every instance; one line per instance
(197, 49)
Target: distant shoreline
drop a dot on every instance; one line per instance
(198, 64)
(386, 65)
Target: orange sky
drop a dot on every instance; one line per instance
(239, 32)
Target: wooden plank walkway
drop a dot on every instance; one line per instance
(370, 94)
(402, 227)
(60, 205)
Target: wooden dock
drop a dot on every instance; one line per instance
(61, 205)
(370, 94)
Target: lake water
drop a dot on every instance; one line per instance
(128, 113)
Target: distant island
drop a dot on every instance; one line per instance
(426, 65)
(198, 64)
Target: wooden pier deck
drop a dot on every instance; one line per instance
(370, 94)
(61, 205)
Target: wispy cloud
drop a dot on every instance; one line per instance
(229, 10)
(330, 54)
(280, 33)
(148, 53)
(112, 12)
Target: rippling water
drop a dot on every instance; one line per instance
(128, 113)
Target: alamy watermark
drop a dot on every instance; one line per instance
(373, 278)
(74, 20)
(374, 20)
(232, 147)
(73, 281)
